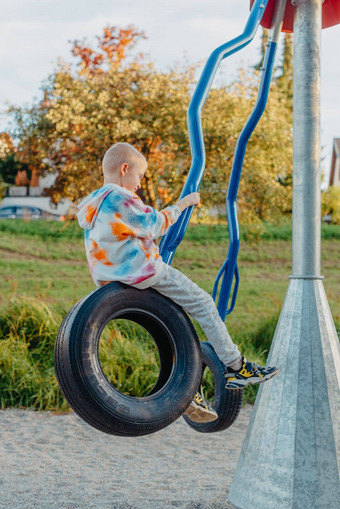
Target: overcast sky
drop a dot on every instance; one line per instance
(35, 33)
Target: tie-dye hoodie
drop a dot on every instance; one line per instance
(119, 233)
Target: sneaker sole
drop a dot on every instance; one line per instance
(198, 414)
(241, 384)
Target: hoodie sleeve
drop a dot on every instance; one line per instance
(145, 221)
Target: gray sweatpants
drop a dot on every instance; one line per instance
(200, 306)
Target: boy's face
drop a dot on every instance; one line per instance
(132, 175)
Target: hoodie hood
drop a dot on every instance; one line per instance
(90, 206)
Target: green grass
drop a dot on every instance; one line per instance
(42, 229)
(27, 334)
(129, 357)
(44, 273)
(28, 328)
(201, 233)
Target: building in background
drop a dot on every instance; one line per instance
(33, 196)
(334, 177)
(23, 188)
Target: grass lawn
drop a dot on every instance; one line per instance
(44, 260)
(46, 263)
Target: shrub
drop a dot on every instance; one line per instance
(27, 333)
(129, 358)
(28, 329)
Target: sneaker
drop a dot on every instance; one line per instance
(249, 374)
(200, 410)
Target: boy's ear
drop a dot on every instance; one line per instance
(123, 168)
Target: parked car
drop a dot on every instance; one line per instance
(26, 212)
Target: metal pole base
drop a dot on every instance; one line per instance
(289, 456)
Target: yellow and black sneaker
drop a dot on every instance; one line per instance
(249, 374)
(200, 410)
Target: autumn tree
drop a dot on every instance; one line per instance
(285, 79)
(107, 96)
(110, 94)
(282, 88)
(268, 155)
(10, 164)
(330, 204)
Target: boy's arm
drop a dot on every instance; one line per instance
(133, 217)
(149, 222)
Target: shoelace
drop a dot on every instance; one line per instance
(255, 369)
(198, 398)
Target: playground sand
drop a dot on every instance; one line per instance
(50, 461)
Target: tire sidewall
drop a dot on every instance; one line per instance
(91, 387)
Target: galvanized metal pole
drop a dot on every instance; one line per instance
(290, 456)
(306, 139)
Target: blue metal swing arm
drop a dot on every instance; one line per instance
(176, 233)
(229, 268)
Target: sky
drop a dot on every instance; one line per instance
(34, 33)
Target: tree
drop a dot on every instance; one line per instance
(108, 94)
(285, 80)
(269, 151)
(9, 162)
(330, 204)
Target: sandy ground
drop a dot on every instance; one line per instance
(52, 461)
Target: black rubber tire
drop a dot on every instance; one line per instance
(227, 403)
(81, 377)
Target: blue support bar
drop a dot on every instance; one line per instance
(229, 268)
(176, 233)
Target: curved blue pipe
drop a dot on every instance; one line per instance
(175, 234)
(229, 268)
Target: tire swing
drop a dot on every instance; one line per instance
(81, 377)
(226, 402)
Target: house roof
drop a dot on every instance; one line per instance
(335, 155)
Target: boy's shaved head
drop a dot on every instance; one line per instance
(118, 154)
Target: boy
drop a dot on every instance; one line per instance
(119, 233)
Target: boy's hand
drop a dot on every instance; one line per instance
(188, 201)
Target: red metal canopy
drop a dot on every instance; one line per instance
(330, 14)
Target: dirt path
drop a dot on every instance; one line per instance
(58, 462)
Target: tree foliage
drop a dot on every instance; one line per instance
(111, 94)
(285, 80)
(330, 204)
(10, 165)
